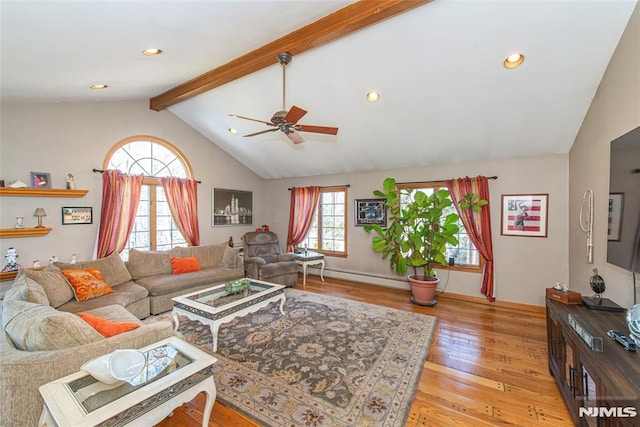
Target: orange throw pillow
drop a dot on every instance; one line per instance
(87, 284)
(106, 327)
(185, 265)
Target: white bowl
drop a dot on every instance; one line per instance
(98, 368)
(126, 364)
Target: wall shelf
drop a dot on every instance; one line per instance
(41, 192)
(7, 233)
(9, 275)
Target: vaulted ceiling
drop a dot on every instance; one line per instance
(445, 95)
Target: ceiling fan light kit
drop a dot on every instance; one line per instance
(287, 121)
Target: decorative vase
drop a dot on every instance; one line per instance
(423, 289)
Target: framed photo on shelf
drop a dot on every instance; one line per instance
(616, 205)
(370, 211)
(231, 207)
(40, 180)
(524, 215)
(74, 215)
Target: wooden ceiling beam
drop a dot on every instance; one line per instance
(332, 27)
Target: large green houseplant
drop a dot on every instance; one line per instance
(417, 234)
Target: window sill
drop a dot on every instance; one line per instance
(465, 268)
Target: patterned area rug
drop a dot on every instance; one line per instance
(328, 362)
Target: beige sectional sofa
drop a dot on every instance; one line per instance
(153, 271)
(43, 339)
(41, 344)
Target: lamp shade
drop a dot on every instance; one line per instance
(39, 212)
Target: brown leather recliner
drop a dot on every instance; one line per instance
(264, 259)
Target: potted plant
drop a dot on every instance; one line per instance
(417, 234)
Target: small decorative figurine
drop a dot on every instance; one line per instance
(74, 259)
(53, 259)
(36, 264)
(71, 185)
(11, 256)
(19, 222)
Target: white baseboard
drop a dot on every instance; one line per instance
(370, 279)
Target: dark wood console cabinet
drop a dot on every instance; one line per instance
(605, 380)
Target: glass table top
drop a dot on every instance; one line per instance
(218, 296)
(161, 361)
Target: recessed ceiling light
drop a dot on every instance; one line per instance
(99, 86)
(514, 60)
(373, 96)
(152, 52)
(233, 131)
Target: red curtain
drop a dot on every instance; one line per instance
(303, 205)
(477, 224)
(120, 198)
(182, 196)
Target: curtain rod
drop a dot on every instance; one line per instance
(441, 180)
(102, 171)
(326, 186)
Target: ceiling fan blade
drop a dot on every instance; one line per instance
(294, 114)
(294, 137)
(255, 120)
(317, 129)
(261, 132)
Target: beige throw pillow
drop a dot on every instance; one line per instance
(34, 327)
(25, 289)
(208, 255)
(230, 257)
(54, 283)
(111, 267)
(148, 263)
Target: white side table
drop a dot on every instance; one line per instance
(308, 258)
(175, 373)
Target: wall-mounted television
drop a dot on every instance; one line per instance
(623, 234)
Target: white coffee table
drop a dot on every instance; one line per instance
(215, 306)
(175, 373)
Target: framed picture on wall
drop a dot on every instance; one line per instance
(524, 215)
(231, 207)
(73, 215)
(370, 211)
(616, 205)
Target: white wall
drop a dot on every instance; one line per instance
(74, 138)
(615, 110)
(525, 266)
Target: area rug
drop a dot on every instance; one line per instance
(327, 362)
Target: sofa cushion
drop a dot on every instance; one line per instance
(87, 284)
(25, 289)
(162, 284)
(208, 256)
(148, 263)
(54, 283)
(124, 295)
(111, 267)
(185, 265)
(35, 327)
(105, 327)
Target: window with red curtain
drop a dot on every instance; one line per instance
(155, 227)
(477, 224)
(328, 231)
(464, 256)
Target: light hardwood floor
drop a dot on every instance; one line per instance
(487, 365)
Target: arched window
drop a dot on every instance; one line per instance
(152, 157)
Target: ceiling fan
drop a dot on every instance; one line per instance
(287, 121)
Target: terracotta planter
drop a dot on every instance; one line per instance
(423, 291)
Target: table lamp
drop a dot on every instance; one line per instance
(39, 213)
